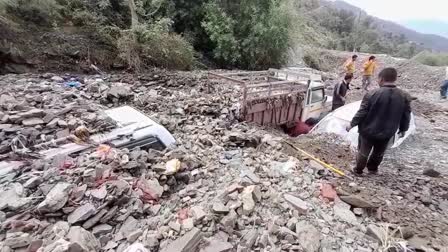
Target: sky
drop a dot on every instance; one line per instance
(405, 10)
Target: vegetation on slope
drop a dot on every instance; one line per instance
(178, 34)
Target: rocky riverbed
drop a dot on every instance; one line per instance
(236, 187)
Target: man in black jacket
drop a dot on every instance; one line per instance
(382, 113)
(340, 91)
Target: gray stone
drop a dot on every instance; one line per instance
(35, 245)
(358, 211)
(6, 99)
(342, 211)
(151, 239)
(292, 223)
(56, 198)
(101, 230)
(316, 165)
(110, 245)
(50, 118)
(419, 244)
(132, 237)
(405, 233)
(82, 213)
(300, 205)
(188, 224)
(249, 238)
(52, 123)
(216, 245)
(248, 200)
(60, 228)
(119, 92)
(220, 208)
(264, 239)
(17, 240)
(188, 242)
(72, 124)
(284, 231)
(32, 182)
(5, 126)
(136, 247)
(153, 186)
(84, 238)
(250, 175)
(430, 172)
(11, 198)
(198, 212)
(99, 194)
(229, 220)
(356, 201)
(34, 113)
(62, 123)
(308, 236)
(95, 219)
(57, 79)
(63, 246)
(109, 215)
(63, 133)
(174, 225)
(155, 209)
(376, 232)
(128, 227)
(32, 122)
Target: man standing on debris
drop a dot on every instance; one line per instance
(350, 66)
(382, 113)
(368, 71)
(340, 91)
(444, 87)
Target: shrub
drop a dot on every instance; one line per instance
(154, 45)
(248, 34)
(432, 59)
(39, 12)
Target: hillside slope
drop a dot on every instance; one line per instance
(428, 41)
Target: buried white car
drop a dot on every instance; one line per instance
(337, 121)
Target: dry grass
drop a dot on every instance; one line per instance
(392, 241)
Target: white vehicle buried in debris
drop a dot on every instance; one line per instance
(337, 122)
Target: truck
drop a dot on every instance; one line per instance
(279, 97)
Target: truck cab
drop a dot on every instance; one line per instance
(316, 103)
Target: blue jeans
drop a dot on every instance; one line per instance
(444, 89)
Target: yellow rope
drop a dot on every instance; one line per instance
(330, 167)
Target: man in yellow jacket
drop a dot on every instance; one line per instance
(349, 65)
(368, 71)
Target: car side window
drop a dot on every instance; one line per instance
(316, 96)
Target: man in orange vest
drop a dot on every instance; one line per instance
(368, 71)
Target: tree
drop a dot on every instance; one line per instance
(134, 17)
(250, 34)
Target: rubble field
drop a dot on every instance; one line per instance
(234, 186)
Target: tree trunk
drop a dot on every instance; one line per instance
(134, 16)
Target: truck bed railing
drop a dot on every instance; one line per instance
(272, 97)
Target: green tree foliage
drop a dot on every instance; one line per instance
(432, 59)
(249, 34)
(357, 32)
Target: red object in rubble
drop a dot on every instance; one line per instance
(300, 128)
(327, 191)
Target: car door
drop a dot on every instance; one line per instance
(314, 103)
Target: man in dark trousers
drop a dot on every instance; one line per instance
(340, 91)
(382, 113)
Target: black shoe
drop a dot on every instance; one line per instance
(373, 172)
(356, 172)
